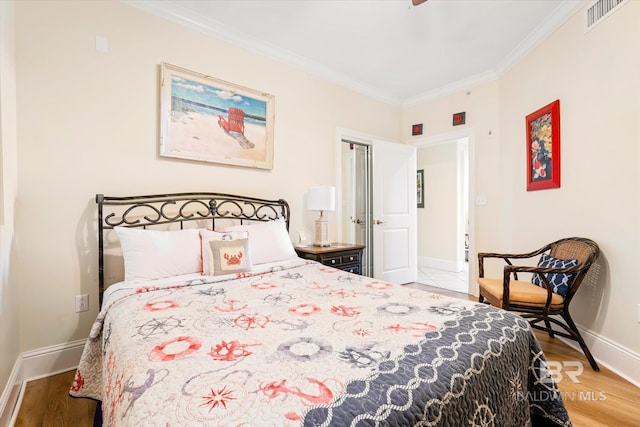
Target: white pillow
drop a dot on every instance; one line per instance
(208, 236)
(153, 254)
(268, 241)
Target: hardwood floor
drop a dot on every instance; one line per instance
(46, 402)
(593, 399)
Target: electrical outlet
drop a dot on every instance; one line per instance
(638, 314)
(82, 303)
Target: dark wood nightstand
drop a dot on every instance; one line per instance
(344, 256)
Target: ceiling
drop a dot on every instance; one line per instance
(388, 49)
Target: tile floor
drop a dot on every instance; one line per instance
(453, 281)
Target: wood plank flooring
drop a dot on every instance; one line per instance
(599, 399)
(47, 403)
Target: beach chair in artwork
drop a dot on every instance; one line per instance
(234, 127)
(235, 122)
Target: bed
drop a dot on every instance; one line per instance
(286, 341)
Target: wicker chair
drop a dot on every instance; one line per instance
(538, 302)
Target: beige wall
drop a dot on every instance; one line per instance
(9, 298)
(438, 221)
(88, 123)
(595, 77)
(482, 106)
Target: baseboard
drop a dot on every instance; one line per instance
(33, 365)
(52, 360)
(440, 264)
(610, 354)
(11, 395)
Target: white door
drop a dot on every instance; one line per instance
(394, 212)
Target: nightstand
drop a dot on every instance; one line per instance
(344, 256)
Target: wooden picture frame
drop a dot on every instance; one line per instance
(210, 120)
(420, 188)
(543, 147)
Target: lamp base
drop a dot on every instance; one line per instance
(322, 232)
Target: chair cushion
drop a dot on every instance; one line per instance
(520, 292)
(559, 282)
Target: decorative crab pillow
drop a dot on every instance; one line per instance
(559, 282)
(229, 256)
(208, 236)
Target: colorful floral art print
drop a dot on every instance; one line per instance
(210, 120)
(543, 148)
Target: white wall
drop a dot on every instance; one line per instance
(595, 77)
(88, 123)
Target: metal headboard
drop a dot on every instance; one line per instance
(159, 209)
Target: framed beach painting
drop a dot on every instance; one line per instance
(543, 147)
(211, 120)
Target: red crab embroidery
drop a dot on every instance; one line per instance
(233, 259)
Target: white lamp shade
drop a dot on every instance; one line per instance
(320, 198)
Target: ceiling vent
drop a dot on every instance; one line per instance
(598, 10)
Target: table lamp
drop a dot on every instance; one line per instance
(321, 198)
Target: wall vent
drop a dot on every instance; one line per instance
(598, 10)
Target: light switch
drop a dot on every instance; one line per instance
(102, 44)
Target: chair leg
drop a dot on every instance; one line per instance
(578, 337)
(549, 330)
(480, 298)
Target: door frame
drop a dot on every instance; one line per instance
(351, 135)
(447, 137)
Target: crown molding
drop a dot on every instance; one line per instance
(565, 10)
(188, 18)
(183, 16)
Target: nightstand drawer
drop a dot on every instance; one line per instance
(353, 269)
(333, 261)
(351, 258)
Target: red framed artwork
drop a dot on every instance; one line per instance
(543, 148)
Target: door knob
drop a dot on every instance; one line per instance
(378, 222)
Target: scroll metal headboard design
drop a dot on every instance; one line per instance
(180, 208)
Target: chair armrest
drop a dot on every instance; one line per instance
(506, 257)
(541, 271)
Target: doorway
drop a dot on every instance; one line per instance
(356, 200)
(445, 221)
(382, 210)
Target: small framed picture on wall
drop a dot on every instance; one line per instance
(420, 188)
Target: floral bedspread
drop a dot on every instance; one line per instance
(309, 345)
